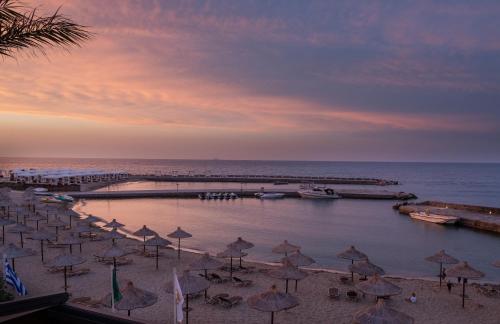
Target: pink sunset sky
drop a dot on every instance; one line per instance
(322, 80)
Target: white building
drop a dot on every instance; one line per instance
(59, 177)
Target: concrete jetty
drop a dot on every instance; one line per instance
(263, 179)
(289, 193)
(478, 217)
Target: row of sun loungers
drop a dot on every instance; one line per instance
(225, 300)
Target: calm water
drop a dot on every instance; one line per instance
(322, 228)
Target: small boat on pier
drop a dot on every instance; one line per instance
(270, 195)
(434, 218)
(319, 193)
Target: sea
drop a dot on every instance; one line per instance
(322, 228)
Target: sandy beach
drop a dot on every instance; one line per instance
(434, 305)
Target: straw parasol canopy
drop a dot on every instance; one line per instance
(442, 258)
(144, 231)
(189, 285)
(366, 268)
(352, 254)
(465, 271)
(132, 298)
(113, 235)
(179, 234)
(287, 271)
(71, 240)
(285, 248)
(157, 241)
(241, 244)
(65, 261)
(13, 252)
(114, 224)
(56, 223)
(42, 235)
(379, 287)
(71, 215)
(299, 260)
(113, 252)
(231, 253)
(380, 313)
(206, 262)
(272, 301)
(20, 228)
(37, 218)
(5, 222)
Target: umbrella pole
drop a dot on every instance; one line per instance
(179, 249)
(71, 249)
(128, 313)
(21, 233)
(41, 249)
(37, 225)
(352, 273)
(13, 265)
(144, 246)
(240, 264)
(157, 257)
(440, 273)
(3, 235)
(206, 274)
(80, 247)
(65, 280)
(187, 308)
(463, 295)
(57, 234)
(296, 284)
(286, 285)
(231, 269)
(272, 317)
(114, 262)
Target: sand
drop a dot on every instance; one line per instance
(434, 305)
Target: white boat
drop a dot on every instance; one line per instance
(319, 193)
(269, 195)
(64, 198)
(434, 218)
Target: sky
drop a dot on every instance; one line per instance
(277, 80)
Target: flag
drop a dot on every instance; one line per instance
(178, 300)
(116, 295)
(12, 279)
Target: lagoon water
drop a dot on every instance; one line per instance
(322, 228)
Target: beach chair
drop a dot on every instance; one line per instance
(344, 280)
(237, 282)
(78, 272)
(247, 270)
(334, 293)
(213, 277)
(352, 296)
(86, 301)
(229, 302)
(215, 300)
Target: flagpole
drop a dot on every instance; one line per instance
(175, 296)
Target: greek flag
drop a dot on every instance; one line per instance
(12, 279)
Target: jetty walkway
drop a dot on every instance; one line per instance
(290, 193)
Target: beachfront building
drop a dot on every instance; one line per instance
(60, 177)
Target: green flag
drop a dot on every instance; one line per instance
(117, 296)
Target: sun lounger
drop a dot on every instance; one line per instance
(352, 296)
(229, 302)
(86, 301)
(241, 282)
(78, 272)
(213, 277)
(345, 280)
(334, 293)
(215, 300)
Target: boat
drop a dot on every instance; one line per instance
(64, 198)
(269, 195)
(232, 195)
(41, 192)
(319, 193)
(433, 218)
(51, 200)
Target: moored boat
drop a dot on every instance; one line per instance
(269, 195)
(319, 193)
(434, 218)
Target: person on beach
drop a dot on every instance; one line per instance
(459, 279)
(413, 298)
(449, 285)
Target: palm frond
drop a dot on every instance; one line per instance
(26, 30)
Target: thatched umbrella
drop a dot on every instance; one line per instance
(299, 260)
(465, 271)
(354, 255)
(20, 228)
(71, 215)
(189, 285)
(113, 235)
(114, 224)
(206, 262)
(366, 268)
(56, 223)
(144, 231)
(157, 241)
(287, 271)
(13, 252)
(231, 253)
(241, 244)
(37, 218)
(132, 298)
(380, 313)
(66, 260)
(179, 234)
(285, 248)
(379, 287)
(42, 235)
(5, 222)
(71, 240)
(442, 258)
(114, 252)
(272, 301)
